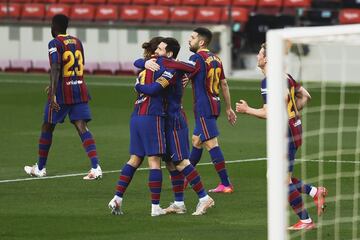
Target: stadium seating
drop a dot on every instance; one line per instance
(19, 65)
(290, 7)
(44, 1)
(11, 10)
(238, 15)
(251, 4)
(70, 1)
(40, 66)
(182, 14)
(54, 9)
(20, 1)
(168, 2)
(82, 12)
(208, 15)
(33, 11)
(157, 14)
(219, 3)
(132, 13)
(90, 67)
(269, 7)
(94, 1)
(119, 1)
(4, 63)
(106, 13)
(349, 16)
(107, 68)
(194, 2)
(143, 2)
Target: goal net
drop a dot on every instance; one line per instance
(326, 61)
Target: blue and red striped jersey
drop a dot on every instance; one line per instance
(169, 76)
(68, 51)
(206, 83)
(295, 127)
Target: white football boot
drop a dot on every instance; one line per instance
(115, 205)
(203, 205)
(34, 171)
(156, 210)
(94, 174)
(175, 208)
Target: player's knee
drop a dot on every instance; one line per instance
(135, 161)
(196, 141)
(211, 143)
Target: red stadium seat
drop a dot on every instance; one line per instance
(194, 2)
(208, 15)
(132, 13)
(44, 1)
(94, 1)
(251, 4)
(70, 1)
(107, 13)
(270, 7)
(82, 12)
(349, 16)
(290, 6)
(239, 15)
(168, 2)
(33, 11)
(119, 1)
(157, 14)
(20, 1)
(11, 10)
(144, 2)
(219, 2)
(54, 9)
(182, 14)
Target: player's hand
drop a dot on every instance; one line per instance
(185, 80)
(152, 65)
(242, 106)
(53, 104)
(231, 116)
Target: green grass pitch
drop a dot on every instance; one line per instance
(71, 208)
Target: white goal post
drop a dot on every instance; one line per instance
(277, 118)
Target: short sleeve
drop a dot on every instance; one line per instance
(54, 54)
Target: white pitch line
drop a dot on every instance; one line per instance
(113, 171)
(143, 169)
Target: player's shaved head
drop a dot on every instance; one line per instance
(172, 45)
(205, 34)
(59, 24)
(150, 46)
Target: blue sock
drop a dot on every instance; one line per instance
(219, 163)
(90, 148)
(297, 203)
(300, 186)
(194, 179)
(125, 178)
(44, 147)
(155, 182)
(195, 155)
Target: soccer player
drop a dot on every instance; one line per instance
(67, 95)
(176, 129)
(206, 82)
(147, 138)
(297, 98)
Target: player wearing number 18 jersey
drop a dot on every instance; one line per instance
(206, 82)
(67, 95)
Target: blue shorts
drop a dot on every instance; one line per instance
(206, 128)
(291, 155)
(79, 111)
(147, 136)
(177, 139)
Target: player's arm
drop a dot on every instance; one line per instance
(231, 116)
(302, 97)
(156, 87)
(55, 59)
(195, 62)
(149, 64)
(243, 107)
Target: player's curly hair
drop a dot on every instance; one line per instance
(151, 46)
